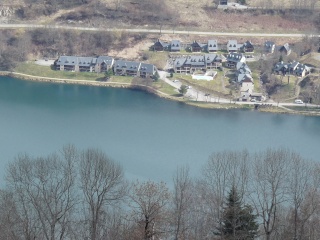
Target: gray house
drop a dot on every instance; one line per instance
(212, 46)
(126, 68)
(212, 61)
(147, 70)
(84, 64)
(103, 63)
(269, 46)
(242, 68)
(248, 47)
(232, 46)
(234, 58)
(75, 64)
(285, 49)
(175, 46)
(160, 46)
(130, 68)
(189, 64)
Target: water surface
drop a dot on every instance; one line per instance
(148, 135)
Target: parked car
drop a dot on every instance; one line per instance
(176, 80)
(299, 101)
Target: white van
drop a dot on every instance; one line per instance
(299, 101)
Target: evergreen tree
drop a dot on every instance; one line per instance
(239, 222)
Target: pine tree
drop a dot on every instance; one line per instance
(239, 222)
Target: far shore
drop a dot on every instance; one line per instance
(154, 91)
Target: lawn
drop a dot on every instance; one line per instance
(31, 68)
(164, 87)
(214, 85)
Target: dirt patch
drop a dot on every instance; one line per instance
(132, 52)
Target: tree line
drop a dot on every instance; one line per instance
(83, 194)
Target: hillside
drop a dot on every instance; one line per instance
(277, 16)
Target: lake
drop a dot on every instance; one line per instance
(147, 135)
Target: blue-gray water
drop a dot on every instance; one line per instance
(149, 136)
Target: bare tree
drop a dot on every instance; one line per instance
(44, 195)
(149, 203)
(223, 171)
(182, 202)
(102, 184)
(269, 185)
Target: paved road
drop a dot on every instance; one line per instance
(163, 31)
(196, 95)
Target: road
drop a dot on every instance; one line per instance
(196, 95)
(145, 30)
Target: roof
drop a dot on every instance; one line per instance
(179, 62)
(129, 65)
(196, 44)
(248, 44)
(148, 68)
(175, 45)
(286, 48)
(302, 67)
(195, 60)
(294, 64)
(244, 78)
(163, 44)
(212, 45)
(83, 61)
(269, 44)
(211, 57)
(105, 59)
(280, 65)
(243, 68)
(235, 57)
(233, 44)
(73, 61)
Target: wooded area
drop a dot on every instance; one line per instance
(18, 46)
(83, 194)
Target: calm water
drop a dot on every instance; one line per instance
(149, 136)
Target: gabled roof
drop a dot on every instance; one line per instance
(243, 68)
(85, 61)
(269, 44)
(247, 44)
(302, 67)
(175, 45)
(163, 44)
(212, 45)
(179, 62)
(105, 59)
(232, 44)
(294, 64)
(148, 68)
(244, 78)
(73, 61)
(196, 44)
(285, 48)
(281, 65)
(195, 60)
(211, 57)
(128, 65)
(235, 57)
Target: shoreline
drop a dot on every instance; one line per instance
(149, 89)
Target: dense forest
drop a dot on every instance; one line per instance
(83, 194)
